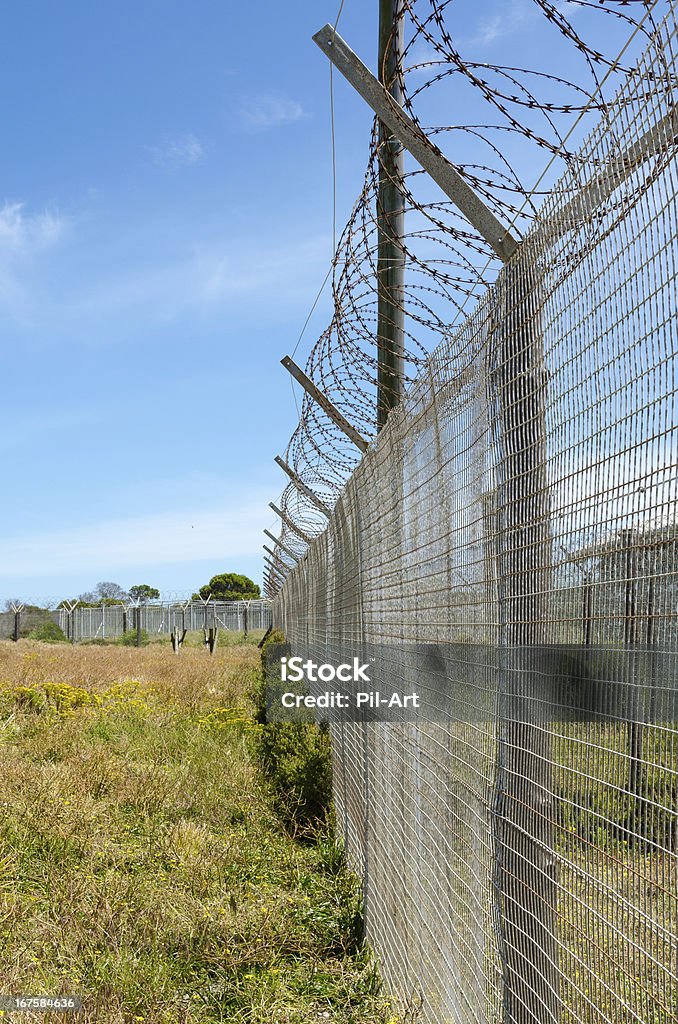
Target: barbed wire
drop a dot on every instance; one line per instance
(448, 264)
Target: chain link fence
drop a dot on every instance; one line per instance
(520, 859)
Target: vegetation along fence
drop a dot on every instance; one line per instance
(505, 539)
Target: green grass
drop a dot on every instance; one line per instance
(141, 863)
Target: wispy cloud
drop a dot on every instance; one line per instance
(510, 19)
(22, 237)
(268, 110)
(245, 273)
(214, 275)
(178, 151)
(114, 545)
(421, 56)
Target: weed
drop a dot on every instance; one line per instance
(133, 638)
(141, 863)
(295, 757)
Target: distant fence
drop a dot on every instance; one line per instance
(110, 621)
(520, 858)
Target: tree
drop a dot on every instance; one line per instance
(108, 591)
(142, 593)
(230, 586)
(105, 592)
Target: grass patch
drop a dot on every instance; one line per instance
(141, 863)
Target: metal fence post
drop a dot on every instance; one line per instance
(634, 726)
(17, 609)
(525, 865)
(390, 220)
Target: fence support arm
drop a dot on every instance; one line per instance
(276, 558)
(291, 525)
(274, 571)
(277, 562)
(422, 149)
(324, 403)
(271, 560)
(301, 486)
(656, 140)
(283, 547)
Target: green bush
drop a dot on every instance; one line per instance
(295, 757)
(129, 639)
(49, 632)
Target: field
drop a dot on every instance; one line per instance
(141, 864)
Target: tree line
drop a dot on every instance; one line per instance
(226, 586)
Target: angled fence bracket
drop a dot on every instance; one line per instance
(324, 403)
(276, 558)
(17, 609)
(412, 138)
(303, 488)
(274, 572)
(70, 607)
(276, 540)
(656, 140)
(269, 579)
(291, 525)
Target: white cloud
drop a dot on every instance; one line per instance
(280, 268)
(267, 110)
(422, 53)
(22, 238)
(100, 549)
(211, 276)
(511, 19)
(178, 151)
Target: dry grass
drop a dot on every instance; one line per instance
(140, 864)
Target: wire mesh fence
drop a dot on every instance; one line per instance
(109, 621)
(513, 530)
(507, 120)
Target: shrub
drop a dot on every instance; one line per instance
(49, 632)
(295, 757)
(129, 639)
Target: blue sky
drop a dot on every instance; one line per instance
(165, 223)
